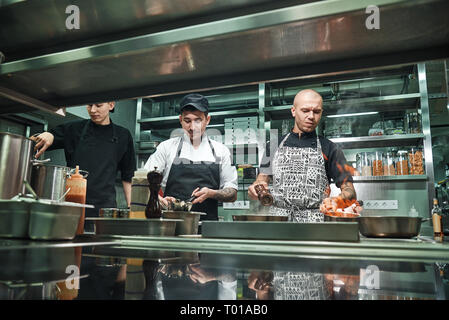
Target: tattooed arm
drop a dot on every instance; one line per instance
(348, 191)
(222, 195)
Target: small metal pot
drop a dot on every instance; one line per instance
(190, 221)
(49, 181)
(390, 226)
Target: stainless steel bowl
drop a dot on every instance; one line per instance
(258, 217)
(190, 221)
(390, 226)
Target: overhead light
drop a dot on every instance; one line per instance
(352, 114)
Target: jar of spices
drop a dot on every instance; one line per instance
(388, 163)
(378, 169)
(416, 160)
(402, 163)
(365, 164)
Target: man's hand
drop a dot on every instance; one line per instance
(200, 275)
(43, 142)
(223, 195)
(166, 201)
(262, 179)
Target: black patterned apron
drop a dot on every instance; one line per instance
(299, 183)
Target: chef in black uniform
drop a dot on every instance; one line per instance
(99, 147)
(195, 165)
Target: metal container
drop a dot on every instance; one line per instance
(190, 222)
(114, 213)
(390, 226)
(258, 217)
(49, 181)
(39, 219)
(15, 164)
(135, 227)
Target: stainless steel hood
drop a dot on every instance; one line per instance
(203, 44)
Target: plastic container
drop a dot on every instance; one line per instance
(402, 163)
(77, 194)
(388, 164)
(416, 160)
(377, 163)
(140, 194)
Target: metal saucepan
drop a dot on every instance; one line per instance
(258, 217)
(340, 219)
(390, 226)
(49, 181)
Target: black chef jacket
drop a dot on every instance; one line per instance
(332, 154)
(105, 150)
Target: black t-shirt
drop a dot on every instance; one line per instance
(104, 151)
(332, 154)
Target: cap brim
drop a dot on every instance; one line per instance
(198, 107)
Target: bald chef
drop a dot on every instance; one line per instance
(303, 166)
(193, 164)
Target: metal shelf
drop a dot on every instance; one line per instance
(379, 141)
(389, 178)
(214, 115)
(370, 104)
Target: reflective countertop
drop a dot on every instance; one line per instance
(177, 268)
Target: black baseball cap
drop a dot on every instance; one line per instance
(195, 100)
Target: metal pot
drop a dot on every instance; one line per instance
(390, 226)
(49, 181)
(190, 222)
(15, 163)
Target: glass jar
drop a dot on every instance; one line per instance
(416, 160)
(402, 163)
(365, 164)
(388, 163)
(413, 120)
(377, 159)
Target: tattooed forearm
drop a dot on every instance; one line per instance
(226, 195)
(348, 191)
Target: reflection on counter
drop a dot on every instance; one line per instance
(113, 272)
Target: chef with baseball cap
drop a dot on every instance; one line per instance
(193, 164)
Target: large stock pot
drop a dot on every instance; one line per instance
(15, 163)
(49, 181)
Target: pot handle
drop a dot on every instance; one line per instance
(36, 162)
(426, 219)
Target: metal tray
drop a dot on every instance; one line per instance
(39, 219)
(135, 227)
(267, 230)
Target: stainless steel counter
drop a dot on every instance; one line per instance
(125, 267)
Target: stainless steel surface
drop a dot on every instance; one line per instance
(379, 141)
(39, 220)
(29, 101)
(147, 227)
(281, 230)
(189, 225)
(296, 41)
(425, 116)
(258, 217)
(14, 219)
(15, 164)
(49, 181)
(390, 227)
